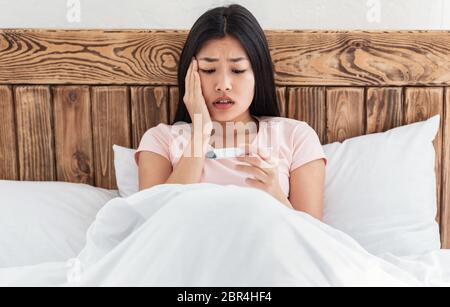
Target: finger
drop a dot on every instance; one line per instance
(264, 153)
(269, 167)
(196, 76)
(256, 161)
(255, 183)
(252, 160)
(192, 80)
(189, 81)
(255, 171)
(195, 65)
(196, 73)
(196, 87)
(188, 73)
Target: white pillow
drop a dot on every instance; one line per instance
(381, 189)
(46, 221)
(127, 175)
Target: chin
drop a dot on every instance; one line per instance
(220, 118)
(224, 117)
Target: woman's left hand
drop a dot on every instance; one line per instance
(263, 169)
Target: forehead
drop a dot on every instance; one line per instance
(222, 48)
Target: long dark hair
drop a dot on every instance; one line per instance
(234, 20)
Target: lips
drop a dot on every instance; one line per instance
(223, 106)
(224, 100)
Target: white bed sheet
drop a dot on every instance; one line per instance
(174, 235)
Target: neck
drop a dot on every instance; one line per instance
(240, 126)
(243, 119)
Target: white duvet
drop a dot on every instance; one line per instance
(211, 235)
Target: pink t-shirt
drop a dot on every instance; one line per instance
(293, 142)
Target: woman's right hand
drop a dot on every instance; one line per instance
(195, 102)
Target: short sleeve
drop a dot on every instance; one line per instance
(306, 146)
(156, 140)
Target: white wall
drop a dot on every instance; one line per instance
(272, 14)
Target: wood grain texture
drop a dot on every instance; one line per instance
(111, 125)
(421, 104)
(149, 107)
(333, 58)
(73, 134)
(32, 56)
(384, 109)
(445, 198)
(281, 99)
(308, 104)
(9, 168)
(35, 133)
(345, 113)
(348, 58)
(173, 102)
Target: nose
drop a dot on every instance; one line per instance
(223, 83)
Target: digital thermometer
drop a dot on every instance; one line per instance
(224, 153)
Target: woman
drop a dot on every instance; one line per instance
(227, 95)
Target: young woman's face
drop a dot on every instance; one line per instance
(225, 70)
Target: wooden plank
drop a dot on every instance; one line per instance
(73, 134)
(421, 104)
(281, 99)
(308, 104)
(9, 168)
(33, 56)
(111, 125)
(345, 113)
(360, 58)
(149, 107)
(173, 102)
(301, 58)
(383, 109)
(445, 198)
(34, 133)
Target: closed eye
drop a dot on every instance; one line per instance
(210, 71)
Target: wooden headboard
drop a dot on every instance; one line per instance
(66, 96)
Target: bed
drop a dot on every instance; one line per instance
(68, 96)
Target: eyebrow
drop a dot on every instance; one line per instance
(208, 59)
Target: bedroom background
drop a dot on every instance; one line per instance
(68, 93)
(59, 75)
